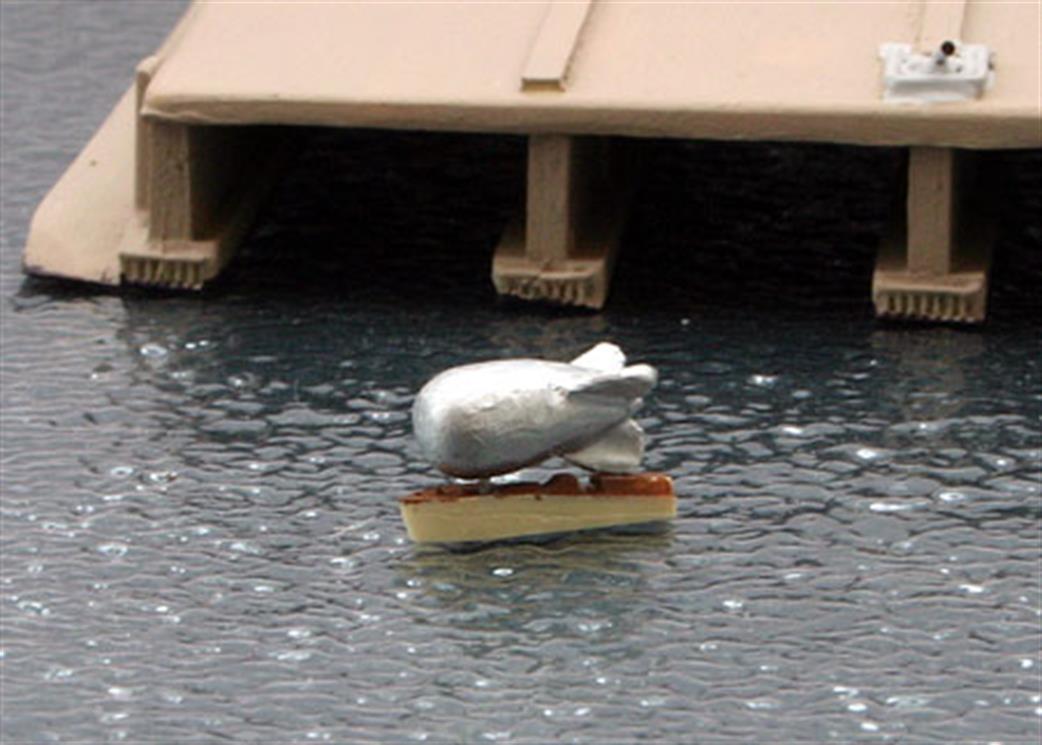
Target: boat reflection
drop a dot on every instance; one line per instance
(580, 585)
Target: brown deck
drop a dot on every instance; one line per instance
(562, 484)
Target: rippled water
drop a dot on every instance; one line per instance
(200, 538)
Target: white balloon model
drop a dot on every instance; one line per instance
(491, 418)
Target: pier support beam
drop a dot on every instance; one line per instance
(199, 189)
(155, 202)
(196, 191)
(563, 248)
(934, 265)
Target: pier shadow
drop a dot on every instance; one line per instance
(410, 219)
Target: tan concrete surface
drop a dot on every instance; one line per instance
(77, 229)
(770, 70)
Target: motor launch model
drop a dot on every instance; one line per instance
(492, 418)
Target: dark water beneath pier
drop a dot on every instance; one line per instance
(200, 540)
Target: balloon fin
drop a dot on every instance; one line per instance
(630, 383)
(606, 357)
(619, 450)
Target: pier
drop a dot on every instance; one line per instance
(171, 182)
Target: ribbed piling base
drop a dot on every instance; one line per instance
(182, 274)
(914, 298)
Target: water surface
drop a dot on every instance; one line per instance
(200, 540)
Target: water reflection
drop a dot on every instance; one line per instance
(572, 587)
(556, 336)
(930, 371)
